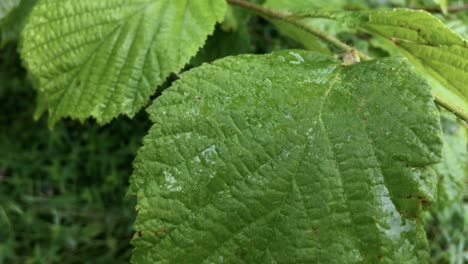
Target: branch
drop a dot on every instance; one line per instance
(452, 109)
(288, 18)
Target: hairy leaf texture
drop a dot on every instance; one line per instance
(440, 54)
(288, 158)
(104, 58)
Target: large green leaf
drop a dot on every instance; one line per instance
(104, 58)
(440, 54)
(436, 50)
(288, 158)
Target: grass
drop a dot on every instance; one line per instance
(62, 192)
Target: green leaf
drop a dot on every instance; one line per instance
(103, 58)
(443, 5)
(431, 46)
(453, 170)
(288, 158)
(436, 51)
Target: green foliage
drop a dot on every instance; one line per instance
(443, 5)
(103, 58)
(270, 164)
(7, 6)
(331, 156)
(437, 52)
(430, 45)
(453, 169)
(62, 192)
(231, 37)
(309, 41)
(447, 220)
(447, 228)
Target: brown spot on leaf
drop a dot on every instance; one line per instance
(160, 231)
(423, 201)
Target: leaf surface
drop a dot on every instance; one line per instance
(104, 58)
(438, 53)
(287, 158)
(435, 50)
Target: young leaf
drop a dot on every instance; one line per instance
(300, 6)
(288, 158)
(103, 58)
(443, 5)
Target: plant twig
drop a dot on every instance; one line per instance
(288, 18)
(457, 112)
